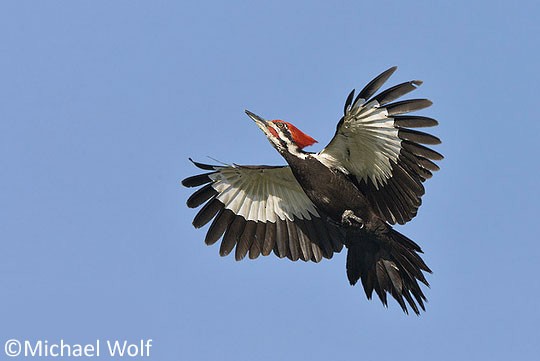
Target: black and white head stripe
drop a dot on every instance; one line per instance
(373, 143)
(260, 209)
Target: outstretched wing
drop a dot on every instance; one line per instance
(260, 209)
(374, 144)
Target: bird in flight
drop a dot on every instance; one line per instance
(368, 178)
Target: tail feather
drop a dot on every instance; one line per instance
(388, 263)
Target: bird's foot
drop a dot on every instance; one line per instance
(350, 219)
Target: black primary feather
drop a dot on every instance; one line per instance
(207, 212)
(246, 240)
(282, 239)
(219, 226)
(396, 91)
(374, 85)
(232, 235)
(348, 102)
(418, 137)
(201, 195)
(203, 166)
(414, 121)
(407, 106)
(420, 150)
(269, 238)
(257, 246)
(197, 180)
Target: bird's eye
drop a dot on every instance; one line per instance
(281, 125)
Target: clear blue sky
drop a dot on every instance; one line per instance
(103, 102)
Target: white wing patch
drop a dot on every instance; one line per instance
(365, 144)
(262, 194)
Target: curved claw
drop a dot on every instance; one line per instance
(348, 216)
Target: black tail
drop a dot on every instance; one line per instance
(388, 263)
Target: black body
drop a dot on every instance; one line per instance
(384, 259)
(330, 190)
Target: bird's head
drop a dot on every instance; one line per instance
(283, 135)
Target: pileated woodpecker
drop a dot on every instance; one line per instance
(368, 178)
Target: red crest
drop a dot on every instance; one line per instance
(300, 138)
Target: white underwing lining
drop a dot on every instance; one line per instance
(264, 194)
(366, 144)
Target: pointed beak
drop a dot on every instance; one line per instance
(261, 123)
